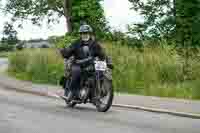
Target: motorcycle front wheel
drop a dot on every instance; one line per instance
(68, 94)
(106, 95)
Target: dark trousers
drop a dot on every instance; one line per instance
(76, 77)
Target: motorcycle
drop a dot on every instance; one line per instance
(95, 86)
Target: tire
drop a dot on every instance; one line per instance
(71, 104)
(107, 106)
(68, 104)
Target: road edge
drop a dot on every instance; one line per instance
(155, 110)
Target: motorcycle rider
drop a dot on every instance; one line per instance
(81, 49)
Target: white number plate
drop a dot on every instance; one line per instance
(100, 65)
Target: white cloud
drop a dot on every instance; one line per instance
(119, 14)
(31, 31)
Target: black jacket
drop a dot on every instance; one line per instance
(75, 49)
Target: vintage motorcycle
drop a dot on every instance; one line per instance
(95, 86)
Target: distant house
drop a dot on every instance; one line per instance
(39, 43)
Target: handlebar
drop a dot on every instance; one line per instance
(84, 61)
(89, 60)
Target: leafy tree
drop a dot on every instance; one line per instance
(35, 10)
(9, 38)
(159, 18)
(187, 31)
(91, 12)
(73, 10)
(188, 23)
(9, 34)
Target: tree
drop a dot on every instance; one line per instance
(9, 39)
(68, 14)
(188, 23)
(159, 18)
(35, 10)
(9, 34)
(73, 10)
(91, 12)
(187, 31)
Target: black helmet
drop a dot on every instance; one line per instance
(85, 29)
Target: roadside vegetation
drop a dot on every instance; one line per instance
(155, 71)
(4, 54)
(37, 65)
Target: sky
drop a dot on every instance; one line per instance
(117, 12)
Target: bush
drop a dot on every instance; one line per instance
(6, 47)
(4, 54)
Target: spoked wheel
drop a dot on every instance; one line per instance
(106, 95)
(68, 95)
(70, 104)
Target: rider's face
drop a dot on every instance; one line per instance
(85, 36)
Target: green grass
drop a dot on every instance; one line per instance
(155, 71)
(4, 54)
(37, 65)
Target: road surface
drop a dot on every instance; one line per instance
(25, 113)
(3, 61)
(3, 64)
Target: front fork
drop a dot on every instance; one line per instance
(98, 84)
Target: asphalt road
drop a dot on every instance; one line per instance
(3, 61)
(3, 64)
(25, 113)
